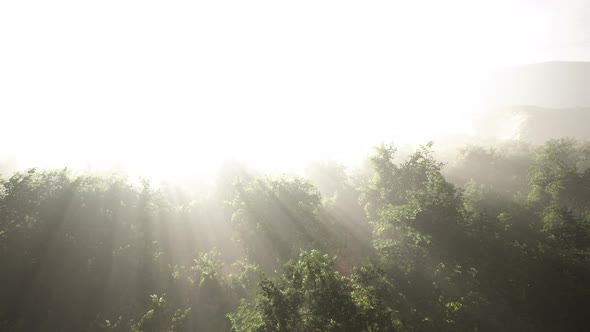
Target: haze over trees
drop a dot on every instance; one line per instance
(498, 240)
(261, 166)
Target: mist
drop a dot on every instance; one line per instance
(309, 166)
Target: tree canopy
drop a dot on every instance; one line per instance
(497, 241)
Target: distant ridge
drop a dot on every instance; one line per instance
(537, 102)
(559, 84)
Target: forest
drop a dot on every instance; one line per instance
(497, 239)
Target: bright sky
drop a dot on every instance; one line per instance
(179, 86)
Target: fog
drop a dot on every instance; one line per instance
(144, 87)
(306, 166)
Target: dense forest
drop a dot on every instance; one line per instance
(497, 240)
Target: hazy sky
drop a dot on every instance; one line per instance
(160, 85)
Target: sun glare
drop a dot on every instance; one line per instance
(179, 88)
(308, 165)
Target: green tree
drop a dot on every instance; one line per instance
(308, 296)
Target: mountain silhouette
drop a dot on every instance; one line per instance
(537, 102)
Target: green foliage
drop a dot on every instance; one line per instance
(560, 177)
(401, 249)
(503, 168)
(308, 296)
(273, 219)
(247, 318)
(154, 319)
